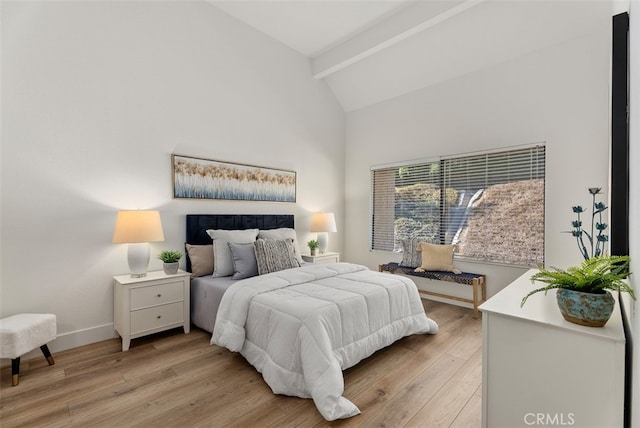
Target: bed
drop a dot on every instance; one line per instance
(302, 325)
(207, 291)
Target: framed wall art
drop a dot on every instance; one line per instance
(195, 178)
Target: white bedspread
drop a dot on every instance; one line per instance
(301, 327)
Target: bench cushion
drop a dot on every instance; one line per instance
(22, 333)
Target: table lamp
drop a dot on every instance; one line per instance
(138, 228)
(323, 223)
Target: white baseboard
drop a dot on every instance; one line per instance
(71, 340)
(82, 337)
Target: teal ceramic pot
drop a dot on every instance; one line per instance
(593, 310)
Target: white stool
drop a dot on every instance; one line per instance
(22, 333)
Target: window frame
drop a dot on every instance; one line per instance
(537, 167)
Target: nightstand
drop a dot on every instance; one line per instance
(150, 304)
(327, 257)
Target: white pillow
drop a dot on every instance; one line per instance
(222, 257)
(280, 235)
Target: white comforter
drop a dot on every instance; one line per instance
(301, 327)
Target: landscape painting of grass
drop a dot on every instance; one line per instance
(195, 178)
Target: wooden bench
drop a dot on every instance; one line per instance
(477, 281)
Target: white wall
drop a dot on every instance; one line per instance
(95, 98)
(558, 94)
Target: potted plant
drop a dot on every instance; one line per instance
(313, 246)
(582, 294)
(170, 261)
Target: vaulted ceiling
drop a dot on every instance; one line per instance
(371, 51)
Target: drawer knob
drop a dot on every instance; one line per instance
(159, 316)
(159, 295)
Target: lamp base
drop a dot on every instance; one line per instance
(138, 258)
(323, 242)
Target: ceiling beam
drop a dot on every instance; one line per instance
(404, 24)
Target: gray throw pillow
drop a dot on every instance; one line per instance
(222, 263)
(244, 260)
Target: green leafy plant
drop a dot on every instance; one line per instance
(596, 242)
(170, 256)
(594, 275)
(313, 244)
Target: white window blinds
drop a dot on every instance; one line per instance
(492, 205)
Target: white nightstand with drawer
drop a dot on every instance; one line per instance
(150, 304)
(327, 257)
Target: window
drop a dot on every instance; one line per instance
(491, 205)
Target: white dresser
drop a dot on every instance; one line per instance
(153, 303)
(540, 370)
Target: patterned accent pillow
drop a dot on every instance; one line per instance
(411, 255)
(280, 234)
(275, 255)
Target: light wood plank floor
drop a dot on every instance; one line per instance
(177, 380)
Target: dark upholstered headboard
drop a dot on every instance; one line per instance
(197, 225)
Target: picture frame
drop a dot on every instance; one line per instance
(198, 178)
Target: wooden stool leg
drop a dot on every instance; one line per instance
(484, 288)
(15, 371)
(475, 297)
(47, 354)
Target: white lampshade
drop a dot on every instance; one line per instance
(138, 228)
(323, 223)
